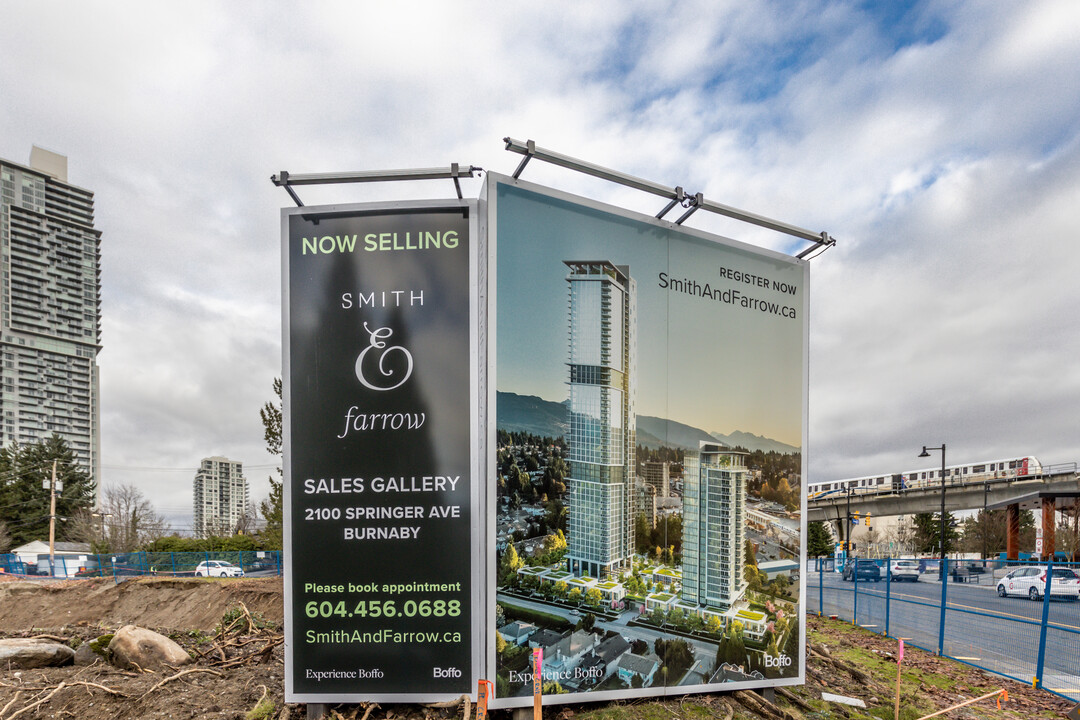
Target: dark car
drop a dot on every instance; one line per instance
(862, 570)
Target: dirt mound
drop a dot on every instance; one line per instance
(239, 672)
(174, 603)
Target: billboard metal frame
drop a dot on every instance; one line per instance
(489, 209)
(482, 341)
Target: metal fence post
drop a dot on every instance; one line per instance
(821, 589)
(888, 590)
(1037, 681)
(855, 593)
(943, 570)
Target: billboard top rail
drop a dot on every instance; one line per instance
(675, 195)
(454, 172)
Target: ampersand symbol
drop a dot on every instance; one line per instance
(377, 341)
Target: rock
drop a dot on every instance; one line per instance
(85, 655)
(33, 653)
(134, 648)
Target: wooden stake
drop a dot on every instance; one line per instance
(899, 660)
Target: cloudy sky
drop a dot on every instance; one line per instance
(937, 141)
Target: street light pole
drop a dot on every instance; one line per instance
(924, 453)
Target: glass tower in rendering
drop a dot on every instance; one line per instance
(601, 439)
(714, 526)
(50, 308)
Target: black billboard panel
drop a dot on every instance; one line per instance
(379, 452)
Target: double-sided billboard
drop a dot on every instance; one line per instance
(649, 402)
(380, 467)
(535, 430)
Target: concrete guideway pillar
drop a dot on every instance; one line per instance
(1012, 532)
(1049, 504)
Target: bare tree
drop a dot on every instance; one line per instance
(5, 537)
(903, 534)
(125, 522)
(248, 524)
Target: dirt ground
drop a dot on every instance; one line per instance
(233, 629)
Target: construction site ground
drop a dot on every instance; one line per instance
(233, 629)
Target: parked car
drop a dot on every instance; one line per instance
(862, 570)
(1031, 581)
(217, 568)
(900, 570)
(261, 564)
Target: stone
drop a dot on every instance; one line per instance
(85, 655)
(34, 653)
(135, 648)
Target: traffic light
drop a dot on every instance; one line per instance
(855, 518)
(868, 521)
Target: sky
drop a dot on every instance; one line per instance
(936, 141)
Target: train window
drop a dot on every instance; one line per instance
(1012, 464)
(978, 468)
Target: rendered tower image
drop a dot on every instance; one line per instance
(220, 496)
(714, 526)
(601, 441)
(50, 308)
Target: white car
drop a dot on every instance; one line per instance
(900, 570)
(1031, 582)
(218, 568)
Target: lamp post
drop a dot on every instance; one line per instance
(923, 454)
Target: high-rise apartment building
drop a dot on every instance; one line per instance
(658, 474)
(714, 526)
(50, 308)
(220, 494)
(601, 440)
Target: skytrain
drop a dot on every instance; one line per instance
(980, 472)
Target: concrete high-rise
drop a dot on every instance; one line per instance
(601, 440)
(658, 474)
(220, 497)
(714, 526)
(50, 308)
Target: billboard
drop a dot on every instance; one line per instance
(648, 389)
(380, 416)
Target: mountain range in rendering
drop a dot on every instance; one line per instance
(534, 415)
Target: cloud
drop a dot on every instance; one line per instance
(936, 141)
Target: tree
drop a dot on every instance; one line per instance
(5, 538)
(987, 532)
(903, 536)
(819, 542)
(928, 532)
(271, 508)
(642, 534)
(127, 522)
(511, 563)
(25, 474)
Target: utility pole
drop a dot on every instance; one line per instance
(52, 521)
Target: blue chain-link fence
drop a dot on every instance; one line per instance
(124, 565)
(991, 614)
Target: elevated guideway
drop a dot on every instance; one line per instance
(1056, 488)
